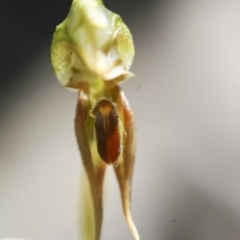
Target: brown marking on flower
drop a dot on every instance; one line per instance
(107, 131)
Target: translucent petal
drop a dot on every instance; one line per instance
(91, 44)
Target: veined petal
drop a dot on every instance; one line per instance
(95, 168)
(92, 43)
(124, 170)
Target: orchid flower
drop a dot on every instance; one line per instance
(92, 51)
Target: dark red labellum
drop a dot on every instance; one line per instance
(107, 131)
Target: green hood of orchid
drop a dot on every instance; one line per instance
(91, 44)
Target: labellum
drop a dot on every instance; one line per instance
(107, 131)
(91, 52)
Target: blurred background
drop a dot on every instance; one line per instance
(186, 101)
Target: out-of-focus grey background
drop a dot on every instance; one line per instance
(186, 100)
